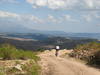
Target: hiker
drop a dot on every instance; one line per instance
(57, 49)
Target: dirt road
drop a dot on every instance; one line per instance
(52, 65)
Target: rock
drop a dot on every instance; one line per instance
(18, 66)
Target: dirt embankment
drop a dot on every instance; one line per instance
(52, 65)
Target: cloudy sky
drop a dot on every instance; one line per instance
(61, 15)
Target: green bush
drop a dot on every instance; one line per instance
(9, 52)
(88, 46)
(95, 59)
(27, 55)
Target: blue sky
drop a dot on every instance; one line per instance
(61, 15)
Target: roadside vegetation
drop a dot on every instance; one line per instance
(11, 53)
(89, 52)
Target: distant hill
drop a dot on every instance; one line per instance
(48, 43)
(85, 35)
(13, 30)
(44, 35)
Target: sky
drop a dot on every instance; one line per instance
(55, 15)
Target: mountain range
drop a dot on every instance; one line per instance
(24, 32)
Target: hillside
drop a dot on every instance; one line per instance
(44, 42)
(52, 65)
(89, 52)
(15, 61)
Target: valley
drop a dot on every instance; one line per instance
(39, 41)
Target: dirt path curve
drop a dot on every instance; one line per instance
(52, 65)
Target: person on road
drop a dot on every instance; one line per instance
(57, 49)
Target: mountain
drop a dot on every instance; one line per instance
(84, 35)
(24, 32)
(15, 29)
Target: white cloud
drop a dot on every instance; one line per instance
(69, 18)
(65, 4)
(30, 1)
(61, 19)
(7, 14)
(37, 3)
(92, 4)
(52, 19)
(41, 2)
(36, 19)
(89, 3)
(20, 18)
(53, 4)
(87, 18)
(32, 19)
(90, 16)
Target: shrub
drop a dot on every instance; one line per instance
(89, 52)
(9, 52)
(96, 59)
(41, 50)
(27, 55)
